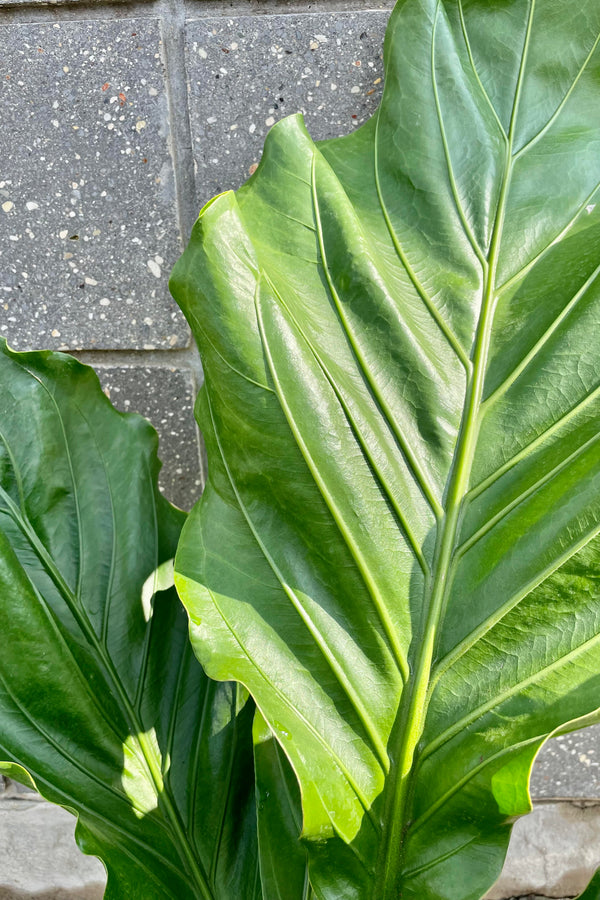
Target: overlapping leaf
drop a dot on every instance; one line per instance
(398, 549)
(102, 701)
(283, 859)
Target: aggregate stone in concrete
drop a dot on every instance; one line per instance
(245, 73)
(88, 230)
(260, 7)
(554, 851)
(569, 766)
(39, 856)
(166, 397)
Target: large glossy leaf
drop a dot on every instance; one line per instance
(102, 701)
(398, 549)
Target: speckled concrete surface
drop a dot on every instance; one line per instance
(246, 73)
(165, 396)
(88, 225)
(569, 766)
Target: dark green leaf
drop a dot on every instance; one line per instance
(102, 701)
(283, 858)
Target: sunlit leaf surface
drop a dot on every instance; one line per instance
(397, 552)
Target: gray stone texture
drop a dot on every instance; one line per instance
(569, 766)
(554, 851)
(12, 790)
(88, 224)
(166, 397)
(40, 858)
(245, 73)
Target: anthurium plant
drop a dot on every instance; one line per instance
(391, 580)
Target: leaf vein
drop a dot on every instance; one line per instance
(462, 724)
(354, 699)
(485, 94)
(532, 489)
(561, 105)
(533, 445)
(451, 177)
(434, 312)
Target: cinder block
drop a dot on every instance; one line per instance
(166, 397)
(247, 72)
(88, 225)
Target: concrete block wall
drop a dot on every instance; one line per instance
(120, 120)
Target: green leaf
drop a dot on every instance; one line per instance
(283, 859)
(398, 552)
(103, 706)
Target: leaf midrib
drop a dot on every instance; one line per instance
(410, 718)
